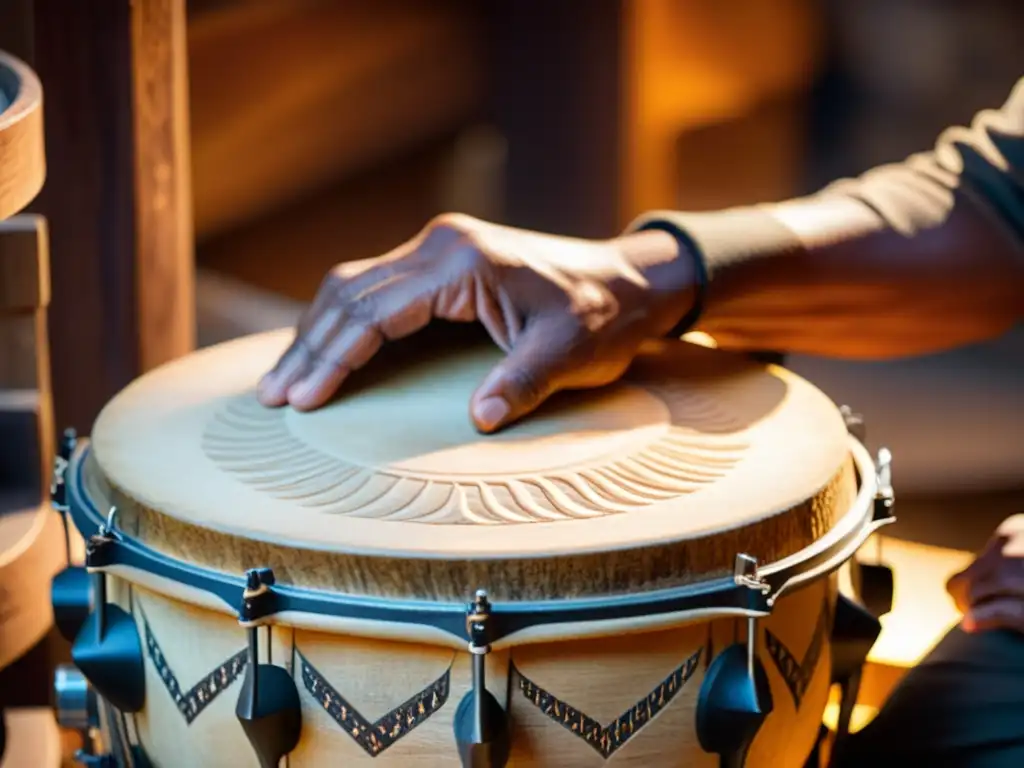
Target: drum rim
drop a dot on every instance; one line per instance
(371, 537)
(117, 553)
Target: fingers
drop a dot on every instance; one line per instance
(529, 375)
(348, 321)
(1006, 613)
(318, 324)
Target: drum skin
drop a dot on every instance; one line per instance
(624, 700)
(655, 482)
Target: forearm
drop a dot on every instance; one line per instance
(908, 259)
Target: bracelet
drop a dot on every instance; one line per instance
(686, 245)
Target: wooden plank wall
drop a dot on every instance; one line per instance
(117, 196)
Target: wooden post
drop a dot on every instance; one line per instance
(118, 194)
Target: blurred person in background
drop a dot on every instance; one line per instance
(908, 259)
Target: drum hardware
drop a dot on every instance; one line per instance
(735, 697)
(875, 581)
(854, 632)
(481, 724)
(74, 701)
(77, 709)
(96, 761)
(854, 422)
(108, 649)
(722, 595)
(268, 705)
(856, 625)
(71, 589)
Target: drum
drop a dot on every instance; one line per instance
(642, 574)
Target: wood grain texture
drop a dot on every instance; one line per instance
(113, 191)
(22, 154)
(31, 553)
(24, 276)
(22, 339)
(289, 97)
(164, 260)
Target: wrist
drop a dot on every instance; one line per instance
(673, 271)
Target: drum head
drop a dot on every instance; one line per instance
(691, 445)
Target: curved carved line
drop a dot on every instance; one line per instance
(614, 489)
(599, 500)
(356, 503)
(329, 486)
(645, 489)
(519, 489)
(499, 511)
(662, 478)
(560, 500)
(657, 466)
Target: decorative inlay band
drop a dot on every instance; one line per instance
(606, 739)
(192, 702)
(678, 455)
(376, 737)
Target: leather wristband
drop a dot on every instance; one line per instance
(686, 246)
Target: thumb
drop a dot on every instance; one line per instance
(521, 382)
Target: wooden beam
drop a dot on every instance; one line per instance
(117, 196)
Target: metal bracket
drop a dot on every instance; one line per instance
(259, 601)
(854, 422)
(885, 497)
(745, 574)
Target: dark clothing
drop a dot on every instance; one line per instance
(962, 707)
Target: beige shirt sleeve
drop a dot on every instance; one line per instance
(981, 166)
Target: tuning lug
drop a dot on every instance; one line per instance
(268, 705)
(735, 697)
(71, 595)
(108, 649)
(481, 725)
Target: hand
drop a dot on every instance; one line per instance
(990, 591)
(568, 313)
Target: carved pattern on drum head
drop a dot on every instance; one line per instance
(698, 445)
(797, 674)
(376, 737)
(192, 702)
(606, 739)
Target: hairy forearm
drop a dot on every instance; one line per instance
(908, 259)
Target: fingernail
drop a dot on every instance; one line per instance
(300, 391)
(968, 624)
(491, 412)
(265, 386)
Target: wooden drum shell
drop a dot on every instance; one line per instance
(601, 679)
